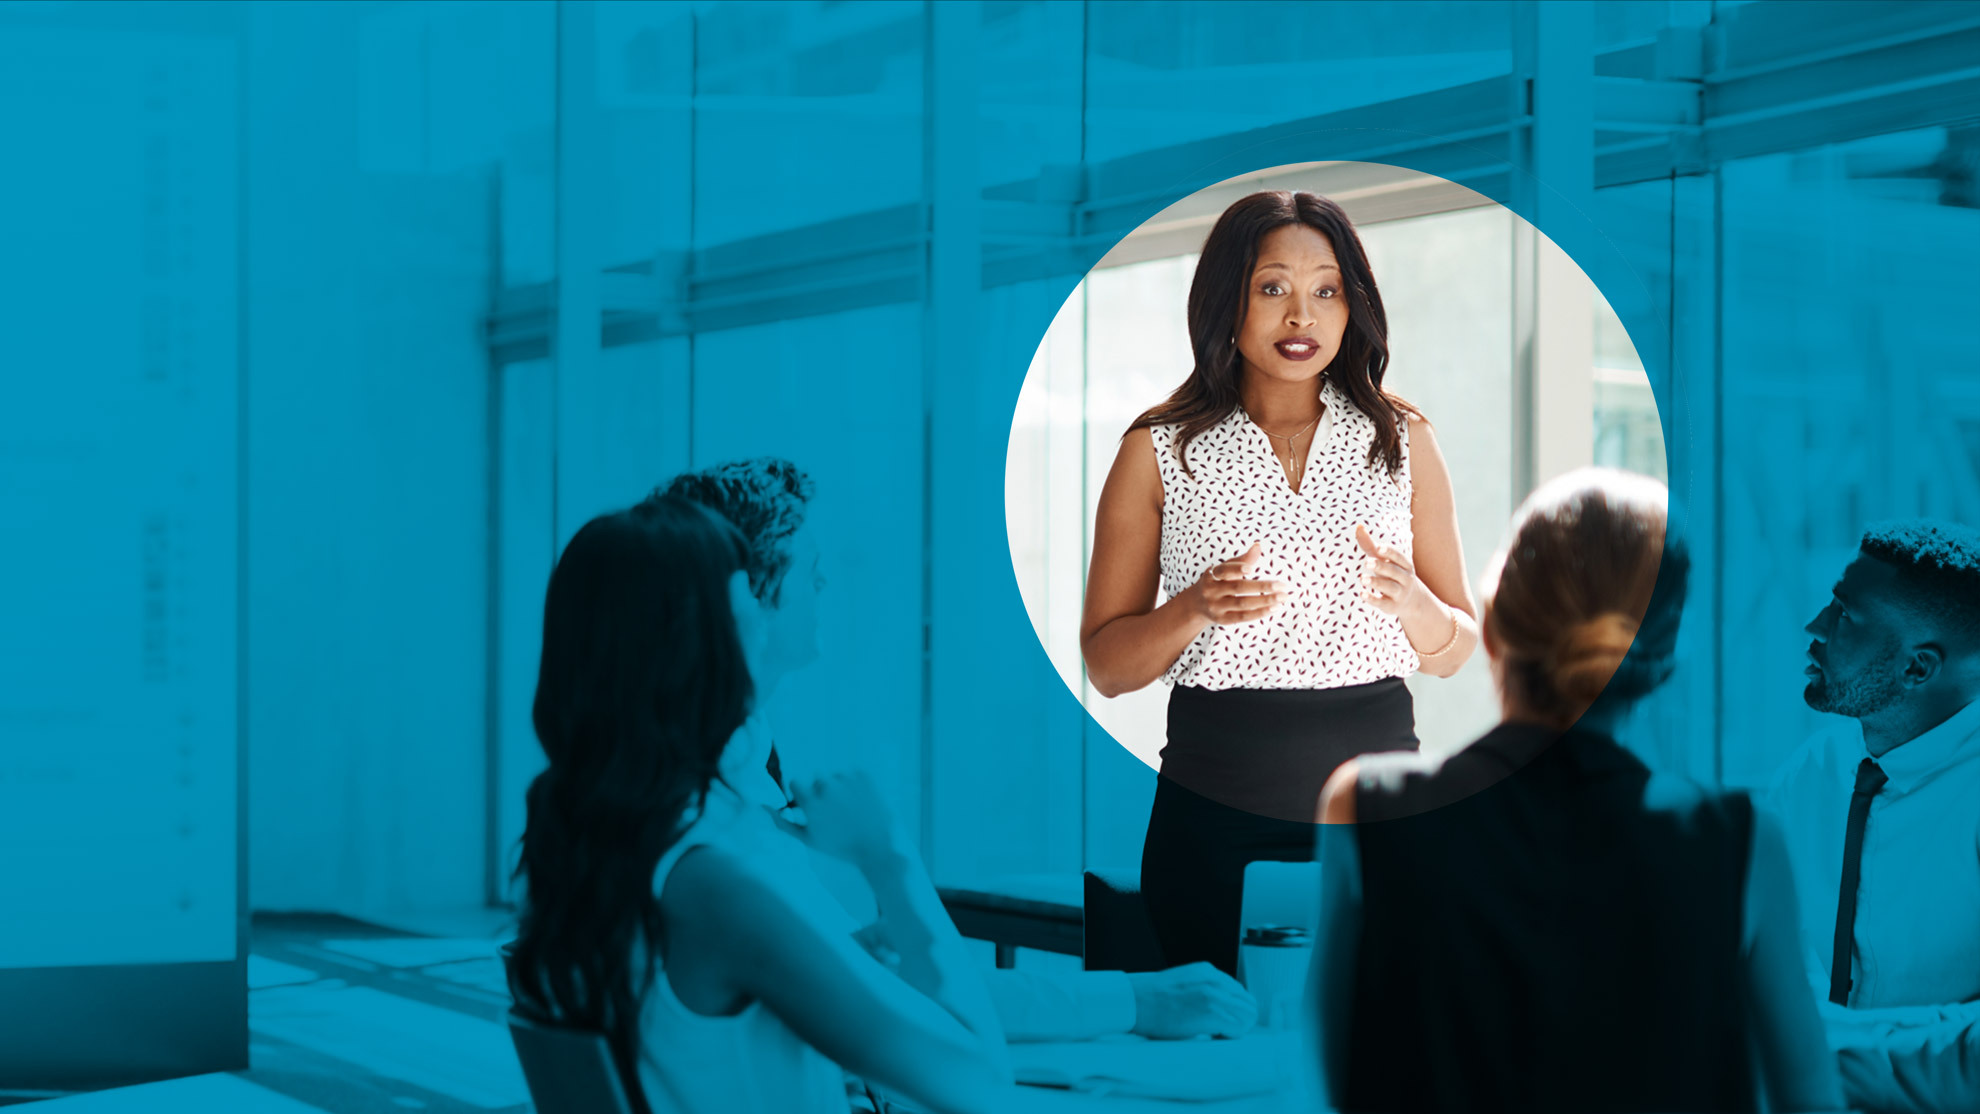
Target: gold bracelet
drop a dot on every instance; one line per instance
(1456, 630)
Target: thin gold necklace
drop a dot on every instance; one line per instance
(1293, 467)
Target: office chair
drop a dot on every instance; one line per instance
(1118, 935)
(570, 1071)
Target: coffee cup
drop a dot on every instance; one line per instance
(1274, 960)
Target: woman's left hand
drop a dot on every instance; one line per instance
(1388, 579)
(846, 818)
(879, 945)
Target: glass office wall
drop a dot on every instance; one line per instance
(841, 396)
(780, 252)
(399, 159)
(1162, 73)
(713, 125)
(697, 197)
(779, 88)
(1444, 283)
(402, 195)
(1628, 432)
(644, 82)
(1029, 89)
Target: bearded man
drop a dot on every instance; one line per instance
(1882, 817)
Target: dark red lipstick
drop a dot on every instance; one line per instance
(1298, 348)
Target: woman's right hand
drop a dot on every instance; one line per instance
(847, 818)
(1226, 595)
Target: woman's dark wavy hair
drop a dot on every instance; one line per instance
(1221, 293)
(642, 682)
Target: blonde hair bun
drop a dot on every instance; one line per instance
(1587, 569)
(1588, 655)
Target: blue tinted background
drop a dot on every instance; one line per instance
(326, 325)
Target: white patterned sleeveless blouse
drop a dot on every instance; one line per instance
(1322, 635)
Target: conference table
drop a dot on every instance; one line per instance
(1255, 1074)
(1044, 1101)
(1041, 1100)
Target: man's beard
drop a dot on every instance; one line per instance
(1868, 691)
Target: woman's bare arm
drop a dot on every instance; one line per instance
(1439, 561)
(1337, 805)
(1127, 641)
(733, 932)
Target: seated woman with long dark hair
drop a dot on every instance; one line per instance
(651, 913)
(1541, 923)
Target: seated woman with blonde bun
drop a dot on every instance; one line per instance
(1540, 922)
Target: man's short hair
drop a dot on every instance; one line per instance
(765, 499)
(1938, 566)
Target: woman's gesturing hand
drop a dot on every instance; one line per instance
(1388, 579)
(1228, 596)
(845, 817)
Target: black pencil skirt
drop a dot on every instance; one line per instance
(1241, 774)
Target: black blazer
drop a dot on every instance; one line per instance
(1548, 926)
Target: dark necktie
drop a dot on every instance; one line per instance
(1869, 779)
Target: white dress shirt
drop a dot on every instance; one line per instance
(1918, 901)
(1908, 1059)
(1033, 1006)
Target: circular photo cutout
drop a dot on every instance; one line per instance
(1267, 449)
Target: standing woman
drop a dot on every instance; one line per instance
(1295, 523)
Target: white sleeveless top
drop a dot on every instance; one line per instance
(748, 1063)
(1322, 635)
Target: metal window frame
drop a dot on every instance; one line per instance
(1767, 78)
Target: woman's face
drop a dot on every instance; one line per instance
(1294, 311)
(793, 623)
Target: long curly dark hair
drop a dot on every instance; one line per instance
(642, 683)
(766, 498)
(1220, 294)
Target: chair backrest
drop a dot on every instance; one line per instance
(570, 1071)
(1118, 934)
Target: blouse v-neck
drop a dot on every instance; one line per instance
(1323, 428)
(1235, 493)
